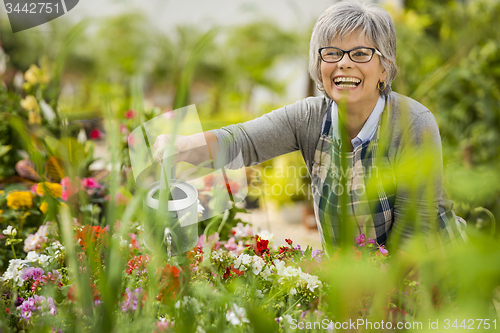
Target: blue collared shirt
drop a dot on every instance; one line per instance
(369, 128)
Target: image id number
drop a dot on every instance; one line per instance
(470, 324)
(32, 8)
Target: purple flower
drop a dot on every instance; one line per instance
(303, 314)
(52, 306)
(298, 248)
(317, 254)
(360, 240)
(18, 301)
(132, 299)
(371, 241)
(31, 273)
(36, 303)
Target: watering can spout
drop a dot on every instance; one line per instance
(167, 240)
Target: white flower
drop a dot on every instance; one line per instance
(259, 293)
(266, 273)
(218, 255)
(312, 281)
(42, 259)
(56, 248)
(200, 330)
(241, 231)
(123, 242)
(293, 291)
(189, 301)
(14, 270)
(257, 265)
(266, 235)
(280, 266)
(10, 231)
(288, 318)
(32, 256)
(31, 242)
(242, 260)
(236, 315)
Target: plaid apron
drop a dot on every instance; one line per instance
(371, 190)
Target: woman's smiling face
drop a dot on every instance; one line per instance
(340, 77)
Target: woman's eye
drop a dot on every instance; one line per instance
(359, 54)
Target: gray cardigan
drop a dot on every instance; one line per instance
(298, 127)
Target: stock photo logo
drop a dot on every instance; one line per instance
(26, 14)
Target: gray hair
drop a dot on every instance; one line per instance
(343, 18)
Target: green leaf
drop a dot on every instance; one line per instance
(5, 149)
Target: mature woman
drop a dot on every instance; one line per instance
(374, 156)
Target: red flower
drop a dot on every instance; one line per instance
(261, 246)
(232, 187)
(231, 269)
(96, 134)
(130, 114)
(289, 241)
(137, 262)
(169, 281)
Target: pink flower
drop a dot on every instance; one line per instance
(383, 250)
(360, 240)
(231, 244)
(96, 134)
(120, 199)
(69, 187)
(213, 239)
(33, 188)
(123, 129)
(133, 241)
(234, 247)
(371, 241)
(131, 140)
(202, 241)
(130, 114)
(90, 183)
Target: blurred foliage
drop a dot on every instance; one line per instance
(449, 60)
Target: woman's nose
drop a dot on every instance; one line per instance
(345, 62)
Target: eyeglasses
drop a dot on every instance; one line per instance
(358, 54)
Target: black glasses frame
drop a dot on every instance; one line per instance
(374, 51)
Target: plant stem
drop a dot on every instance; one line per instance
(13, 251)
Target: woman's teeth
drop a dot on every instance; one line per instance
(346, 82)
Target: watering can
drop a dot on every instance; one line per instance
(173, 206)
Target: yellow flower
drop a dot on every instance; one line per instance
(34, 118)
(1, 211)
(54, 189)
(20, 199)
(32, 75)
(44, 207)
(30, 103)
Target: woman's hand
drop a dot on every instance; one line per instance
(195, 149)
(180, 147)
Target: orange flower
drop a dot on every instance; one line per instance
(169, 281)
(88, 233)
